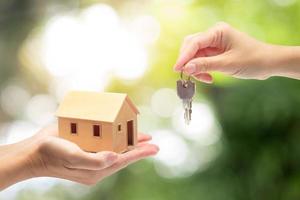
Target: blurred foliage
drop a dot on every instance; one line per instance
(259, 119)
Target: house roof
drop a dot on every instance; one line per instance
(95, 106)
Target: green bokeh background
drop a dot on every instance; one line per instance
(260, 157)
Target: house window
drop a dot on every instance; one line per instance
(97, 130)
(119, 127)
(73, 128)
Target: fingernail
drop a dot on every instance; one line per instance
(177, 69)
(156, 148)
(190, 68)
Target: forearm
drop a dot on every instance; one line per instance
(15, 164)
(12, 170)
(283, 60)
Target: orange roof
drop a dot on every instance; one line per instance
(96, 106)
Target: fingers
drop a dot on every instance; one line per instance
(190, 48)
(187, 40)
(91, 161)
(206, 64)
(211, 43)
(204, 77)
(209, 51)
(102, 160)
(91, 177)
(140, 152)
(79, 159)
(143, 137)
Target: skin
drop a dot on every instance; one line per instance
(227, 50)
(45, 154)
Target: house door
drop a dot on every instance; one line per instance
(130, 130)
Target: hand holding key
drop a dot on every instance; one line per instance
(225, 49)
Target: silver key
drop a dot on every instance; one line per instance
(186, 91)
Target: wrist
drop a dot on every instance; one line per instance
(32, 159)
(19, 163)
(282, 60)
(265, 60)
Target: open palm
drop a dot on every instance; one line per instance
(60, 158)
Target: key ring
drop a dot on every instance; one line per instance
(184, 81)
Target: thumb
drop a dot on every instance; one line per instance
(205, 64)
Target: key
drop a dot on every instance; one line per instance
(186, 91)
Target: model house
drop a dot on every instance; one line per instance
(98, 121)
